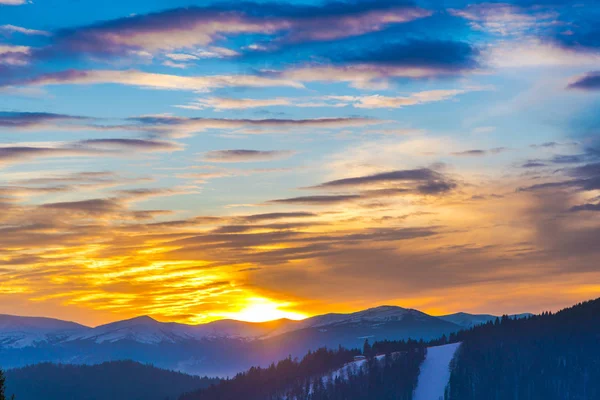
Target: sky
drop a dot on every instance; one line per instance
(194, 161)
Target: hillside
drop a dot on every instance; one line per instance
(549, 357)
(326, 375)
(119, 380)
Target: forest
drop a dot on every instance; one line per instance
(328, 375)
(544, 357)
(117, 380)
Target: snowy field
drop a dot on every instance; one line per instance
(435, 372)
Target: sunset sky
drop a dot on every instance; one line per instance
(194, 161)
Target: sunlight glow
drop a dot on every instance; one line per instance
(259, 309)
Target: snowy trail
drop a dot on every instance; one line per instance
(435, 372)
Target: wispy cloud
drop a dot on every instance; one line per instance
(427, 181)
(506, 19)
(188, 28)
(24, 31)
(13, 2)
(480, 152)
(372, 101)
(171, 126)
(34, 120)
(589, 81)
(318, 200)
(86, 148)
(150, 80)
(243, 155)
(373, 68)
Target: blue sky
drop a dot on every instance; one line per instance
(199, 160)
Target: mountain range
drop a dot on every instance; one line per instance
(219, 348)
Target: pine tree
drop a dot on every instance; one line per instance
(2, 385)
(367, 348)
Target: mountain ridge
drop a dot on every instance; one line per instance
(157, 331)
(218, 348)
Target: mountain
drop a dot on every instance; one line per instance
(19, 332)
(220, 348)
(351, 330)
(147, 330)
(119, 380)
(467, 321)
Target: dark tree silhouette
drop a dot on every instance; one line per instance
(367, 349)
(545, 357)
(2, 386)
(116, 380)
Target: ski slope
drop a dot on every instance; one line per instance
(435, 372)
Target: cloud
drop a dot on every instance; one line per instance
(171, 126)
(279, 215)
(75, 181)
(130, 144)
(535, 52)
(14, 56)
(422, 181)
(586, 177)
(220, 103)
(24, 31)
(317, 200)
(427, 180)
(191, 27)
(33, 120)
(379, 101)
(12, 2)
(533, 164)
(436, 55)
(86, 148)
(505, 19)
(22, 153)
(414, 99)
(374, 67)
(479, 152)
(149, 80)
(589, 81)
(586, 207)
(392, 176)
(374, 101)
(94, 206)
(240, 155)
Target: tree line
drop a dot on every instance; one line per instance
(544, 357)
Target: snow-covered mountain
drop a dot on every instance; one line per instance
(141, 329)
(147, 330)
(19, 332)
(370, 317)
(217, 348)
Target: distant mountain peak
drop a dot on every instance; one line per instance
(386, 308)
(142, 319)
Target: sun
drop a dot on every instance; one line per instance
(259, 309)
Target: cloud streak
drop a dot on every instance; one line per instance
(589, 81)
(243, 155)
(191, 27)
(149, 80)
(33, 120)
(171, 126)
